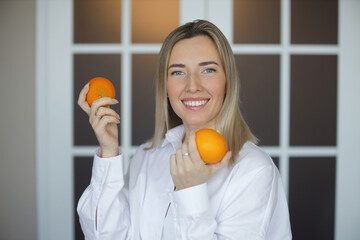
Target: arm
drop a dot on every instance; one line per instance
(103, 208)
(245, 211)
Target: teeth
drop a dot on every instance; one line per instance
(195, 103)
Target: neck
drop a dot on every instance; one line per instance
(194, 128)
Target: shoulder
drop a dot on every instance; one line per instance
(253, 154)
(253, 159)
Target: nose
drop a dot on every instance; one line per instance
(193, 83)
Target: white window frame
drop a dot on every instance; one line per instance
(54, 87)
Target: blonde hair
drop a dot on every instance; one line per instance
(229, 121)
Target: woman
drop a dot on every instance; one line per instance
(169, 192)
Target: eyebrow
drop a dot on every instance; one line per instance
(177, 65)
(208, 63)
(180, 65)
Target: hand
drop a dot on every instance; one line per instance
(189, 170)
(103, 120)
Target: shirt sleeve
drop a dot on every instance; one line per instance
(245, 211)
(103, 207)
(249, 204)
(191, 209)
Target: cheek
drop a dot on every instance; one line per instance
(172, 91)
(218, 90)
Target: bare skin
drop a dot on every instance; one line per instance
(104, 121)
(195, 75)
(190, 170)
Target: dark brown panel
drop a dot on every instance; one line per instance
(143, 97)
(276, 161)
(87, 67)
(313, 100)
(153, 20)
(312, 198)
(82, 176)
(97, 21)
(256, 21)
(314, 22)
(259, 93)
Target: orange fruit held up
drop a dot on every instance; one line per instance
(211, 145)
(99, 87)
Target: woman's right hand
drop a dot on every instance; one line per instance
(103, 120)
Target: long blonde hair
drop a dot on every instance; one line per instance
(229, 121)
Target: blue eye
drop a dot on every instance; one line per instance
(209, 70)
(176, 73)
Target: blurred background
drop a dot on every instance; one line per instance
(298, 62)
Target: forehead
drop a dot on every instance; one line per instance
(199, 48)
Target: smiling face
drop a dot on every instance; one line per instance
(196, 82)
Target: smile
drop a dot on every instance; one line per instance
(195, 103)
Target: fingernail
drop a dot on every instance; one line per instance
(116, 101)
(87, 85)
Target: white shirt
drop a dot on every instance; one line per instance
(244, 201)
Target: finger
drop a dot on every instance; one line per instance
(94, 120)
(105, 111)
(226, 159)
(179, 158)
(193, 151)
(82, 99)
(185, 151)
(173, 164)
(188, 162)
(101, 102)
(103, 122)
(100, 113)
(223, 163)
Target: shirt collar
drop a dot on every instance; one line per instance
(174, 137)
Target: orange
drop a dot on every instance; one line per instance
(211, 145)
(99, 87)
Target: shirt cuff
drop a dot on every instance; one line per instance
(191, 201)
(107, 169)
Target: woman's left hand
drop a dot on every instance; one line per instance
(188, 170)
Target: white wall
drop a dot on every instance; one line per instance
(348, 164)
(18, 218)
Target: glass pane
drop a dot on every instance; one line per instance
(314, 22)
(312, 197)
(259, 93)
(82, 177)
(153, 20)
(97, 21)
(143, 97)
(86, 67)
(256, 21)
(313, 100)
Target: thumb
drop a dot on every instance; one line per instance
(224, 162)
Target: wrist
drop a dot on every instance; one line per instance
(109, 152)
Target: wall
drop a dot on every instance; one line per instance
(18, 218)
